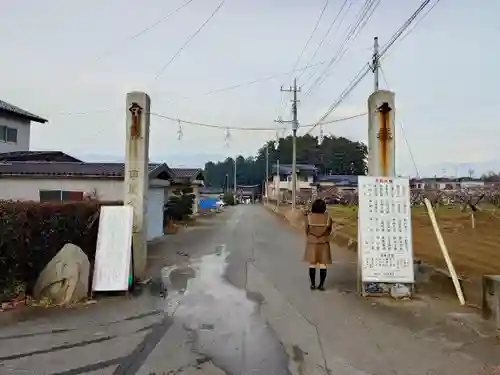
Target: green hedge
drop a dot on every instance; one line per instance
(31, 233)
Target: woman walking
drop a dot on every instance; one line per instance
(317, 254)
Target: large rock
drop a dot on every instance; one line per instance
(65, 279)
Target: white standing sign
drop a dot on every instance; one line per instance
(114, 249)
(384, 230)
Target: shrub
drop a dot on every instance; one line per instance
(229, 199)
(31, 233)
(180, 205)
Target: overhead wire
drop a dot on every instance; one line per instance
(318, 21)
(366, 68)
(362, 19)
(403, 28)
(332, 24)
(259, 80)
(403, 37)
(186, 43)
(343, 52)
(283, 103)
(352, 85)
(211, 92)
(403, 132)
(223, 127)
(151, 26)
(352, 26)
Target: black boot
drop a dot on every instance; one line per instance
(322, 277)
(312, 277)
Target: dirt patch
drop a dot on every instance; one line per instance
(474, 251)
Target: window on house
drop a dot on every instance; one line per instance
(11, 135)
(50, 196)
(8, 134)
(60, 196)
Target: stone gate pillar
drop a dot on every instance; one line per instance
(137, 175)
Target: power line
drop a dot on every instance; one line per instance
(216, 126)
(318, 21)
(350, 28)
(210, 92)
(364, 71)
(214, 91)
(354, 82)
(418, 21)
(363, 18)
(283, 103)
(402, 128)
(403, 28)
(151, 27)
(252, 82)
(164, 67)
(332, 24)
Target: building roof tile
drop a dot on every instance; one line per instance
(71, 169)
(16, 111)
(38, 156)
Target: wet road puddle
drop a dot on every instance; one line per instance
(223, 321)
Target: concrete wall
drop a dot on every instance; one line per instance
(28, 188)
(23, 134)
(471, 184)
(303, 182)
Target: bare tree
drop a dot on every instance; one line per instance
(471, 172)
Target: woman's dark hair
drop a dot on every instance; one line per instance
(318, 206)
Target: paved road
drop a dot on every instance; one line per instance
(231, 296)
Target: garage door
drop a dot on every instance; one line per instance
(156, 200)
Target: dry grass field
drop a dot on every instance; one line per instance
(474, 251)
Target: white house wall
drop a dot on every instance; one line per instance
(154, 213)
(23, 134)
(28, 188)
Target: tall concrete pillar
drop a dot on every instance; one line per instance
(136, 174)
(381, 134)
(196, 201)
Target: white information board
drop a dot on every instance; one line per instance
(384, 230)
(114, 249)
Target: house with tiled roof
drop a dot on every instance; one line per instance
(57, 176)
(15, 127)
(280, 180)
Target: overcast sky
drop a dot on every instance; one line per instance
(77, 57)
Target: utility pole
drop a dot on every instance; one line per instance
(267, 173)
(381, 110)
(278, 189)
(295, 126)
(375, 63)
(234, 182)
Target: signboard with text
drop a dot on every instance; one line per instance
(384, 230)
(113, 258)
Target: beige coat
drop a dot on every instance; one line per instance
(318, 229)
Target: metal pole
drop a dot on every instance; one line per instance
(278, 196)
(234, 182)
(267, 173)
(295, 125)
(375, 63)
